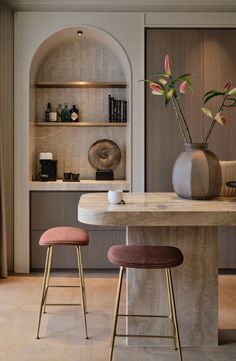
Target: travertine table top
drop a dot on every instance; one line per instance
(156, 209)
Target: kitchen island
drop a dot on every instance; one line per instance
(166, 219)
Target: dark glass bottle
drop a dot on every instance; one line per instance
(47, 112)
(74, 114)
(65, 114)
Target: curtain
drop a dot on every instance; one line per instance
(6, 139)
(3, 241)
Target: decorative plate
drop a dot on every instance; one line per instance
(104, 154)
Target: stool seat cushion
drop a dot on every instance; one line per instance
(155, 257)
(74, 236)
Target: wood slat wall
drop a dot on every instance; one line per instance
(6, 116)
(208, 54)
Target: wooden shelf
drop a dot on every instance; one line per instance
(80, 124)
(82, 84)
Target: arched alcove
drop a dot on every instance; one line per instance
(67, 57)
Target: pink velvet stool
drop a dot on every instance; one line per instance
(146, 257)
(63, 236)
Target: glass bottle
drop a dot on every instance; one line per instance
(74, 114)
(59, 111)
(47, 112)
(65, 114)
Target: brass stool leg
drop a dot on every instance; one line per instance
(43, 289)
(47, 279)
(172, 297)
(82, 290)
(82, 279)
(171, 309)
(116, 310)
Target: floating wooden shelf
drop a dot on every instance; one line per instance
(81, 84)
(80, 124)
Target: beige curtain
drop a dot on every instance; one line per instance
(6, 139)
(3, 241)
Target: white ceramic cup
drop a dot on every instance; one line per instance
(115, 197)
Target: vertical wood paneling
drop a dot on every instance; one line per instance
(6, 117)
(163, 139)
(220, 68)
(209, 54)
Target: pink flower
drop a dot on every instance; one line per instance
(156, 89)
(168, 65)
(227, 86)
(183, 87)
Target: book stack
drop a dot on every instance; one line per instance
(117, 110)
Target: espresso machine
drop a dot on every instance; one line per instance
(48, 167)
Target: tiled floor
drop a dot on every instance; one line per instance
(62, 331)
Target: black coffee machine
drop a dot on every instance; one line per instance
(48, 170)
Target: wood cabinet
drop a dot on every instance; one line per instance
(209, 55)
(51, 209)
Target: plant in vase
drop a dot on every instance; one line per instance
(196, 173)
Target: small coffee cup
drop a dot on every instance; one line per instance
(115, 197)
(67, 176)
(75, 177)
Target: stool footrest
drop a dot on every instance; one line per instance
(63, 304)
(62, 286)
(159, 316)
(145, 336)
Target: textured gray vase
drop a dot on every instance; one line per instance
(197, 173)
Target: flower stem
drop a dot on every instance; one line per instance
(185, 123)
(208, 133)
(205, 139)
(179, 121)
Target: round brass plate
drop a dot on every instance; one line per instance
(104, 154)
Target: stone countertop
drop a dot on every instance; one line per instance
(156, 209)
(83, 185)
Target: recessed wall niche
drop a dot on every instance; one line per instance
(78, 59)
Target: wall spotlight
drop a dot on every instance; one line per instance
(80, 33)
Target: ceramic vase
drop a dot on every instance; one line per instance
(197, 173)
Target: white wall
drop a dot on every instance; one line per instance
(31, 30)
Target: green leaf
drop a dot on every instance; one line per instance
(209, 92)
(232, 104)
(207, 112)
(158, 74)
(167, 100)
(215, 94)
(181, 78)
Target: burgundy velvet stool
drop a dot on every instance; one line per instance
(63, 236)
(146, 257)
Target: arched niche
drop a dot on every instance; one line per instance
(56, 51)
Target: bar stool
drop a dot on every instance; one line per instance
(146, 257)
(63, 236)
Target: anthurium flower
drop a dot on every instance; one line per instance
(168, 65)
(232, 91)
(183, 87)
(156, 89)
(220, 119)
(207, 112)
